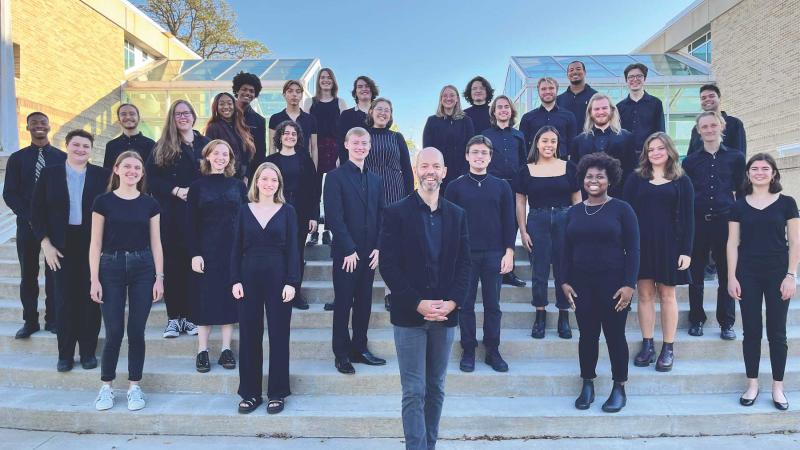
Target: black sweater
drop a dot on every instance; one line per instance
(490, 210)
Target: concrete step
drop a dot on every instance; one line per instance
(316, 377)
(379, 416)
(515, 315)
(516, 344)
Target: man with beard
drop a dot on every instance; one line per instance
(425, 260)
(130, 139)
(734, 136)
(549, 113)
(576, 97)
(246, 87)
(23, 169)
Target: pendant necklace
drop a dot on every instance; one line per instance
(473, 179)
(586, 207)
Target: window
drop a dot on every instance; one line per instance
(701, 47)
(134, 56)
(17, 69)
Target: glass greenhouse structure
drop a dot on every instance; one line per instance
(672, 77)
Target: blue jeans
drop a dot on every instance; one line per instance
(486, 268)
(122, 274)
(422, 354)
(546, 228)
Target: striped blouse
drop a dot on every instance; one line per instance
(389, 158)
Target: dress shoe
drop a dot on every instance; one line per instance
(616, 400)
(367, 358)
(781, 406)
(326, 237)
(586, 397)
(27, 330)
(51, 327)
(328, 306)
(647, 355)
(65, 365)
(467, 363)
(748, 401)
(539, 324)
(665, 358)
(387, 302)
(202, 363)
(343, 366)
(696, 329)
(513, 280)
(495, 361)
(313, 240)
(727, 333)
(300, 303)
(564, 331)
(89, 363)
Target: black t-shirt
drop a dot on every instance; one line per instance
(763, 231)
(127, 222)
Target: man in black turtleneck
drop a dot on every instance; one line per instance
(478, 93)
(130, 139)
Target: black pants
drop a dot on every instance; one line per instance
(77, 316)
(710, 237)
(301, 248)
(28, 249)
(263, 276)
(177, 268)
(486, 268)
(761, 279)
(131, 275)
(352, 292)
(594, 311)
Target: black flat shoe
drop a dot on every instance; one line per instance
(496, 362)
(226, 359)
(387, 302)
(27, 330)
(781, 406)
(616, 400)
(748, 401)
(250, 405)
(647, 354)
(65, 365)
(564, 330)
(51, 327)
(89, 363)
(328, 306)
(696, 329)
(274, 406)
(727, 333)
(300, 303)
(586, 396)
(665, 358)
(344, 366)
(326, 237)
(512, 279)
(367, 358)
(539, 325)
(467, 363)
(202, 363)
(313, 240)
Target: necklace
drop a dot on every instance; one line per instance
(586, 207)
(477, 181)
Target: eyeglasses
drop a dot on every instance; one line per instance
(382, 110)
(480, 152)
(183, 114)
(636, 77)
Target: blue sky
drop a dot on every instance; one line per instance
(412, 48)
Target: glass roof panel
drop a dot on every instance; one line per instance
(593, 69)
(615, 63)
(256, 66)
(667, 65)
(167, 70)
(207, 70)
(288, 69)
(540, 66)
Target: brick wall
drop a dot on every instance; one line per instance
(71, 61)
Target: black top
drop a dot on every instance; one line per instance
(20, 170)
(547, 192)
(576, 103)
(222, 129)
(432, 226)
(122, 143)
(480, 117)
(560, 118)
(733, 137)
(715, 178)
(606, 240)
(490, 210)
(258, 129)
(180, 173)
(641, 118)
(348, 119)
(307, 122)
(763, 231)
(450, 136)
(127, 222)
(619, 145)
(327, 115)
(508, 151)
(291, 170)
(212, 203)
(300, 184)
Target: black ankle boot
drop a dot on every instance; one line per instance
(665, 358)
(564, 331)
(587, 395)
(616, 400)
(647, 355)
(539, 324)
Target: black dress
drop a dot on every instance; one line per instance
(450, 136)
(213, 203)
(327, 115)
(666, 223)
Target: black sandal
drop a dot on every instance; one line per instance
(274, 406)
(250, 405)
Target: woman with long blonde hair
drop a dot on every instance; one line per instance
(449, 130)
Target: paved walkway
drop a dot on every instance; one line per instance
(46, 440)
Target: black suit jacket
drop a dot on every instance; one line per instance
(403, 254)
(20, 169)
(307, 201)
(50, 205)
(352, 215)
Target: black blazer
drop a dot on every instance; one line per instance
(353, 216)
(50, 205)
(20, 170)
(403, 254)
(307, 202)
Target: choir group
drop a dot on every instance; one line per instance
(216, 223)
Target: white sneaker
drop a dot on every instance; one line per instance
(173, 329)
(188, 327)
(135, 398)
(105, 398)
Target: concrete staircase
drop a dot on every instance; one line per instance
(534, 399)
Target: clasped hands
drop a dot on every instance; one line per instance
(436, 310)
